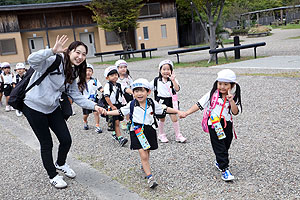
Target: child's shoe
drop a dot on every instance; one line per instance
(152, 183)
(86, 126)
(163, 138)
(11, 108)
(7, 108)
(66, 169)
(18, 113)
(98, 130)
(217, 166)
(114, 136)
(227, 176)
(58, 182)
(180, 138)
(122, 141)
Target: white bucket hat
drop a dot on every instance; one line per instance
(141, 82)
(226, 75)
(110, 70)
(165, 62)
(5, 64)
(90, 66)
(121, 62)
(20, 66)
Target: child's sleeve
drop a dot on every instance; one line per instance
(204, 101)
(178, 84)
(160, 109)
(14, 80)
(152, 84)
(106, 92)
(125, 110)
(99, 84)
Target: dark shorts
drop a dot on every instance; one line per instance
(87, 111)
(151, 136)
(167, 101)
(1, 87)
(7, 89)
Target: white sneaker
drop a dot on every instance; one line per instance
(58, 182)
(11, 108)
(66, 169)
(18, 113)
(152, 183)
(7, 108)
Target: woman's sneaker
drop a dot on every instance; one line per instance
(58, 182)
(66, 169)
(227, 176)
(152, 183)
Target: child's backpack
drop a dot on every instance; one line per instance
(207, 111)
(17, 94)
(151, 102)
(155, 88)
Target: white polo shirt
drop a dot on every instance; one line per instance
(92, 86)
(138, 112)
(113, 94)
(163, 88)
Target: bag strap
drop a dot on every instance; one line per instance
(52, 67)
(155, 88)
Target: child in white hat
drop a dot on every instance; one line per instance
(142, 111)
(6, 79)
(166, 87)
(223, 101)
(20, 69)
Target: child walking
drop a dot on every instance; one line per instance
(7, 79)
(125, 80)
(90, 92)
(142, 110)
(221, 102)
(165, 86)
(113, 93)
(20, 69)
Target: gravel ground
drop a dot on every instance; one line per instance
(264, 159)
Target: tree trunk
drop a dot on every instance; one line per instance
(122, 37)
(212, 40)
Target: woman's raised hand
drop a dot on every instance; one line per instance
(60, 42)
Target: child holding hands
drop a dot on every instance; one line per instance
(142, 109)
(225, 105)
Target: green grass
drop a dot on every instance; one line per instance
(135, 59)
(227, 41)
(283, 74)
(288, 26)
(221, 60)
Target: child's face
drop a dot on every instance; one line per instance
(6, 70)
(165, 71)
(113, 77)
(20, 71)
(223, 87)
(141, 94)
(89, 73)
(122, 70)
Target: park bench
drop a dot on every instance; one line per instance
(237, 48)
(135, 51)
(106, 53)
(177, 52)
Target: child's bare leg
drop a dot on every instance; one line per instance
(7, 98)
(144, 155)
(117, 128)
(97, 118)
(85, 117)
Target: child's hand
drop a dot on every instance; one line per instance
(100, 110)
(173, 76)
(101, 90)
(229, 96)
(182, 114)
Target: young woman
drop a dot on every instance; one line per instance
(42, 108)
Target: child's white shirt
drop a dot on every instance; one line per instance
(204, 103)
(112, 95)
(125, 82)
(92, 86)
(17, 76)
(7, 78)
(138, 112)
(163, 88)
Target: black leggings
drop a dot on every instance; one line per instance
(40, 124)
(222, 146)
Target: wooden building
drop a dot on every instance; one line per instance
(29, 27)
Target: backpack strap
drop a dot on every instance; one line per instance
(51, 68)
(132, 104)
(155, 87)
(151, 102)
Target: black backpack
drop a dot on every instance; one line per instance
(155, 89)
(17, 94)
(102, 102)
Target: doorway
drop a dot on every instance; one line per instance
(89, 40)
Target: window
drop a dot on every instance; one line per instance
(146, 35)
(111, 38)
(8, 46)
(151, 9)
(163, 31)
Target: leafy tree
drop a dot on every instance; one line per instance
(118, 16)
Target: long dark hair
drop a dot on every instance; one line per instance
(237, 95)
(78, 71)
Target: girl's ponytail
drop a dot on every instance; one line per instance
(237, 96)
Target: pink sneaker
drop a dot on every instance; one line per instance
(180, 139)
(163, 138)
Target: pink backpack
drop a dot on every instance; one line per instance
(207, 111)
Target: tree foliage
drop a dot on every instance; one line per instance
(118, 16)
(17, 2)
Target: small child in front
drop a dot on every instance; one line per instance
(20, 69)
(142, 110)
(221, 102)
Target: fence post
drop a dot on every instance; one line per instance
(143, 53)
(237, 52)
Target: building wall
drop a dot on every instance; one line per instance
(19, 57)
(155, 34)
(104, 46)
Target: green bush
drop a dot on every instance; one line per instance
(243, 31)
